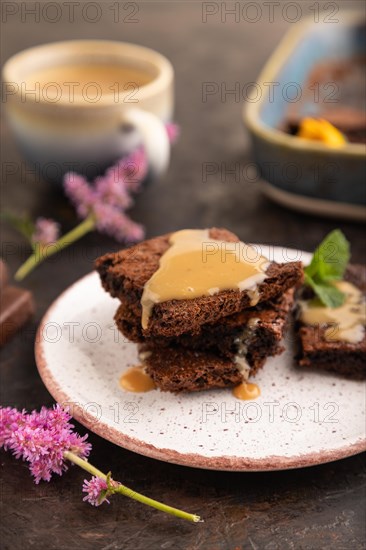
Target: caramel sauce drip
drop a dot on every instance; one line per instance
(196, 265)
(136, 380)
(345, 323)
(246, 391)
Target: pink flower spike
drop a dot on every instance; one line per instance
(109, 196)
(172, 131)
(79, 192)
(111, 221)
(10, 420)
(112, 190)
(46, 440)
(133, 169)
(96, 491)
(46, 231)
(41, 438)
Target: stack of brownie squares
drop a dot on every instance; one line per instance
(206, 342)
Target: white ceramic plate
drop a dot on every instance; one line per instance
(302, 418)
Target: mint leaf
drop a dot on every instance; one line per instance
(330, 259)
(328, 294)
(328, 264)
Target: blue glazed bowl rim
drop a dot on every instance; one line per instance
(251, 111)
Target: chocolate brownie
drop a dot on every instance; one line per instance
(179, 369)
(214, 335)
(124, 274)
(223, 354)
(344, 358)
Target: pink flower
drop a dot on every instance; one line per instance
(173, 131)
(10, 420)
(41, 438)
(134, 169)
(123, 178)
(46, 231)
(117, 224)
(109, 196)
(45, 439)
(107, 200)
(79, 192)
(96, 491)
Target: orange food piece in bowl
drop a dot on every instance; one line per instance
(319, 129)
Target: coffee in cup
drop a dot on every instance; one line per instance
(80, 105)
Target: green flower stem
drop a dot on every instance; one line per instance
(84, 464)
(123, 490)
(42, 253)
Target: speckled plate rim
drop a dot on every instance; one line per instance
(221, 463)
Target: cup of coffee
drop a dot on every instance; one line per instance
(80, 105)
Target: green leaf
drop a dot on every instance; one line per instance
(328, 264)
(328, 294)
(109, 480)
(330, 259)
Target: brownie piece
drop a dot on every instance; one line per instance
(344, 358)
(214, 335)
(179, 369)
(223, 354)
(124, 274)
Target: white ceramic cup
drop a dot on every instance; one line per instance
(86, 132)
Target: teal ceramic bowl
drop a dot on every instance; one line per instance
(299, 173)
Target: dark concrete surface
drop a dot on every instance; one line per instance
(317, 508)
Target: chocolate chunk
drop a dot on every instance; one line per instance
(17, 307)
(4, 275)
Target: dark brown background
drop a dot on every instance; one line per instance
(320, 507)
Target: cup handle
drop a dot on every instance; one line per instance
(154, 137)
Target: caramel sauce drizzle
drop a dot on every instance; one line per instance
(136, 380)
(246, 391)
(196, 265)
(343, 324)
